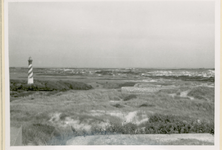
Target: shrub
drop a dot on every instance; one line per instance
(127, 84)
(162, 124)
(16, 85)
(129, 97)
(147, 105)
(117, 105)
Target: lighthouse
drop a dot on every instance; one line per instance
(30, 71)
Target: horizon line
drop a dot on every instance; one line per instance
(122, 67)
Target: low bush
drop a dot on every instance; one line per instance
(17, 85)
(186, 78)
(164, 124)
(129, 97)
(126, 84)
(147, 105)
(117, 105)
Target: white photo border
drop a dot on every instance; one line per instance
(158, 147)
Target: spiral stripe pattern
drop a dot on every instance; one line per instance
(30, 72)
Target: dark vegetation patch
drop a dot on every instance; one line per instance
(63, 116)
(117, 105)
(165, 124)
(114, 85)
(126, 84)
(60, 74)
(16, 85)
(129, 97)
(130, 72)
(104, 72)
(202, 93)
(110, 72)
(186, 78)
(147, 105)
(20, 88)
(161, 83)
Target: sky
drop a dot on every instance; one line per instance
(112, 34)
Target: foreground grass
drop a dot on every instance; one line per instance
(77, 110)
(43, 134)
(61, 110)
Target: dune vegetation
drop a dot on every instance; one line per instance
(53, 119)
(57, 108)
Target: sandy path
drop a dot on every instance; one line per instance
(148, 139)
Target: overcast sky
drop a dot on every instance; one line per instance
(112, 34)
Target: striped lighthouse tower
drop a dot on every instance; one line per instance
(30, 72)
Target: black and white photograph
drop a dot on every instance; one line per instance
(105, 73)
